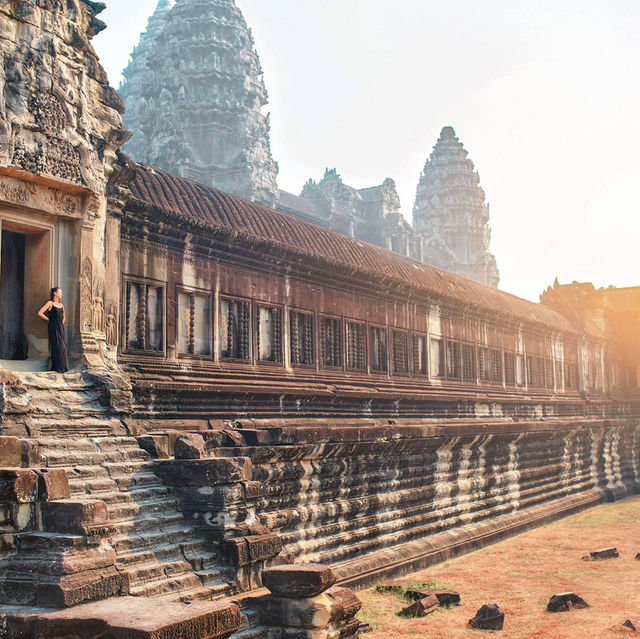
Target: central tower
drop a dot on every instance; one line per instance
(194, 95)
(451, 215)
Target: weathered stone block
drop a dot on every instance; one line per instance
(31, 457)
(605, 553)
(489, 617)
(10, 452)
(18, 485)
(91, 585)
(156, 445)
(331, 607)
(75, 517)
(205, 472)
(189, 446)
(232, 438)
(263, 547)
(53, 484)
(136, 618)
(421, 607)
(298, 580)
(566, 601)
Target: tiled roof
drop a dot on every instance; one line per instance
(182, 197)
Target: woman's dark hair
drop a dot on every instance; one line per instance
(53, 292)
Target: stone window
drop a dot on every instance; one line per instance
(468, 362)
(194, 324)
(510, 369)
(484, 367)
(356, 351)
(301, 333)
(235, 321)
(548, 373)
(400, 352)
(144, 321)
(495, 361)
(269, 333)
(330, 342)
(419, 359)
(571, 376)
(436, 355)
(453, 359)
(378, 348)
(519, 370)
(558, 373)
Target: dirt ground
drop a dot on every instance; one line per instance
(522, 573)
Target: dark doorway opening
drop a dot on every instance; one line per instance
(13, 343)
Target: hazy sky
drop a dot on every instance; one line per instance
(545, 95)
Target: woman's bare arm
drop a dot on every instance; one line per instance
(44, 309)
(64, 317)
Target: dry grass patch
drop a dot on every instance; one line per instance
(522, 573)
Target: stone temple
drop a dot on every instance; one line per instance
(194, 94)
(262, 414)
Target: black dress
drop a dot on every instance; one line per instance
(57, 342)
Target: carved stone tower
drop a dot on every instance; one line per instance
(451, 215)
(194, 94)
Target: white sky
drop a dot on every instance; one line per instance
(544, 94)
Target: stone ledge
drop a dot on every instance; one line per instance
(126, 618)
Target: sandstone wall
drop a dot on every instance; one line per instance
(385, 499)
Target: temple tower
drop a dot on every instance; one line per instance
(194, 94)
(451, 215)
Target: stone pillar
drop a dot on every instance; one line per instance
(305, 604)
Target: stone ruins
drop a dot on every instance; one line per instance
(261, 413)
(194, 94)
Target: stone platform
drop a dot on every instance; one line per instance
(125, 618)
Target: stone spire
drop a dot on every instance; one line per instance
(194, 94)
(134, 75)
(451, 215)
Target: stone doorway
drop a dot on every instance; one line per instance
(13, 341)
(26, 261)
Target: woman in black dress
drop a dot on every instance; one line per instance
(53, 313)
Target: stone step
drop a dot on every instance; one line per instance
(140, 526)
(191, 551)
(142, 573)
(168, 586)
(95, 487)
(177, 534)
(134, 509)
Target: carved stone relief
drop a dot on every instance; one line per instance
(86, 294)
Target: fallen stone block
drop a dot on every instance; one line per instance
(75, 516)
(566, 601)
(10, 452)
(489, 617)
(53, 484)
(445, 597)
(298, 580)
(421, 608)
(189, 446)
(336, 606)
(18, 485)
(605, 553)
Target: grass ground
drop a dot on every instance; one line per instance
(522, 573)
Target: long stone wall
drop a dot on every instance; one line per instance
(389, 498)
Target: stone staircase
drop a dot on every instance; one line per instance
(154, 544)
(70, 418)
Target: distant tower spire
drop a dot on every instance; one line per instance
(134, 74)
(196, 99)
(451, 215)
